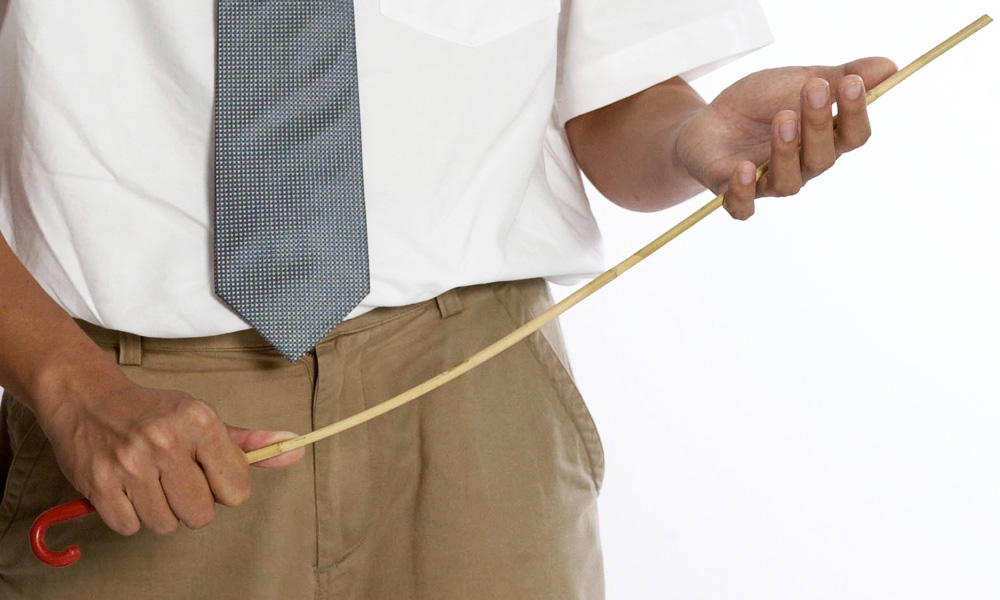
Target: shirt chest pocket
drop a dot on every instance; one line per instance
(468, 22)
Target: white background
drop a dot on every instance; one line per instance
(806, 405)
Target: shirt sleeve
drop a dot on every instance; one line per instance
(611, 49)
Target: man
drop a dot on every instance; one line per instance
(133, 380)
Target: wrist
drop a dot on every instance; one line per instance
(71, 376)
(685, 144)
(681, 181)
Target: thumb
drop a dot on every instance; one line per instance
(252, 439)
(873, 70)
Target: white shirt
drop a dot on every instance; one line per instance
(106, 146)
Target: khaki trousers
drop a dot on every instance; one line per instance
(485, 488)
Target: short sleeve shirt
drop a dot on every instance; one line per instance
(106, 142)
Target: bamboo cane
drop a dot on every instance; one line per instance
(595, 284)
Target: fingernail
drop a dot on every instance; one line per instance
(746, 174)
(853, 91)
(787, 130)
(817, 94)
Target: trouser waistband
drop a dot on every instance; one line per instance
(130, 345)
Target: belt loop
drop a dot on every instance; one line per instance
(449, 303)
(129, 348)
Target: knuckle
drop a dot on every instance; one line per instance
(237, 493)
(117, 520)
(818, 166)
(103, 477)
(853, 140)
(132, 459)
(786, 188)
(242, 490)
(817, 120)
(165, 527)
(741, 213)
(200, 414)
(230, 500)
(201, 518)
(126, 527)
(158, 434)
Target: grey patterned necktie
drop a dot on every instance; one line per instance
(291, 245)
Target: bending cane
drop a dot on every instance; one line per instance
(79, 508)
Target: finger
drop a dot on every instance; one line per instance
(151, 505)
(739, 197)
(116, 511)
(225, 467)
(784, 173)
(853, 127)
(818, 152)
(252, 439)
(189, 494)
(872, 69)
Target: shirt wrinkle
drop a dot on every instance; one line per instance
(469, 177)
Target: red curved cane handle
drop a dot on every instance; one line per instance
(58, 514)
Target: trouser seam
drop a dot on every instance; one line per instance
(27, 476)
(595, 475)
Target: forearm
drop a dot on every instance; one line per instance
(44, 355)
(627, 149)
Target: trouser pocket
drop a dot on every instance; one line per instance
(524, 300)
